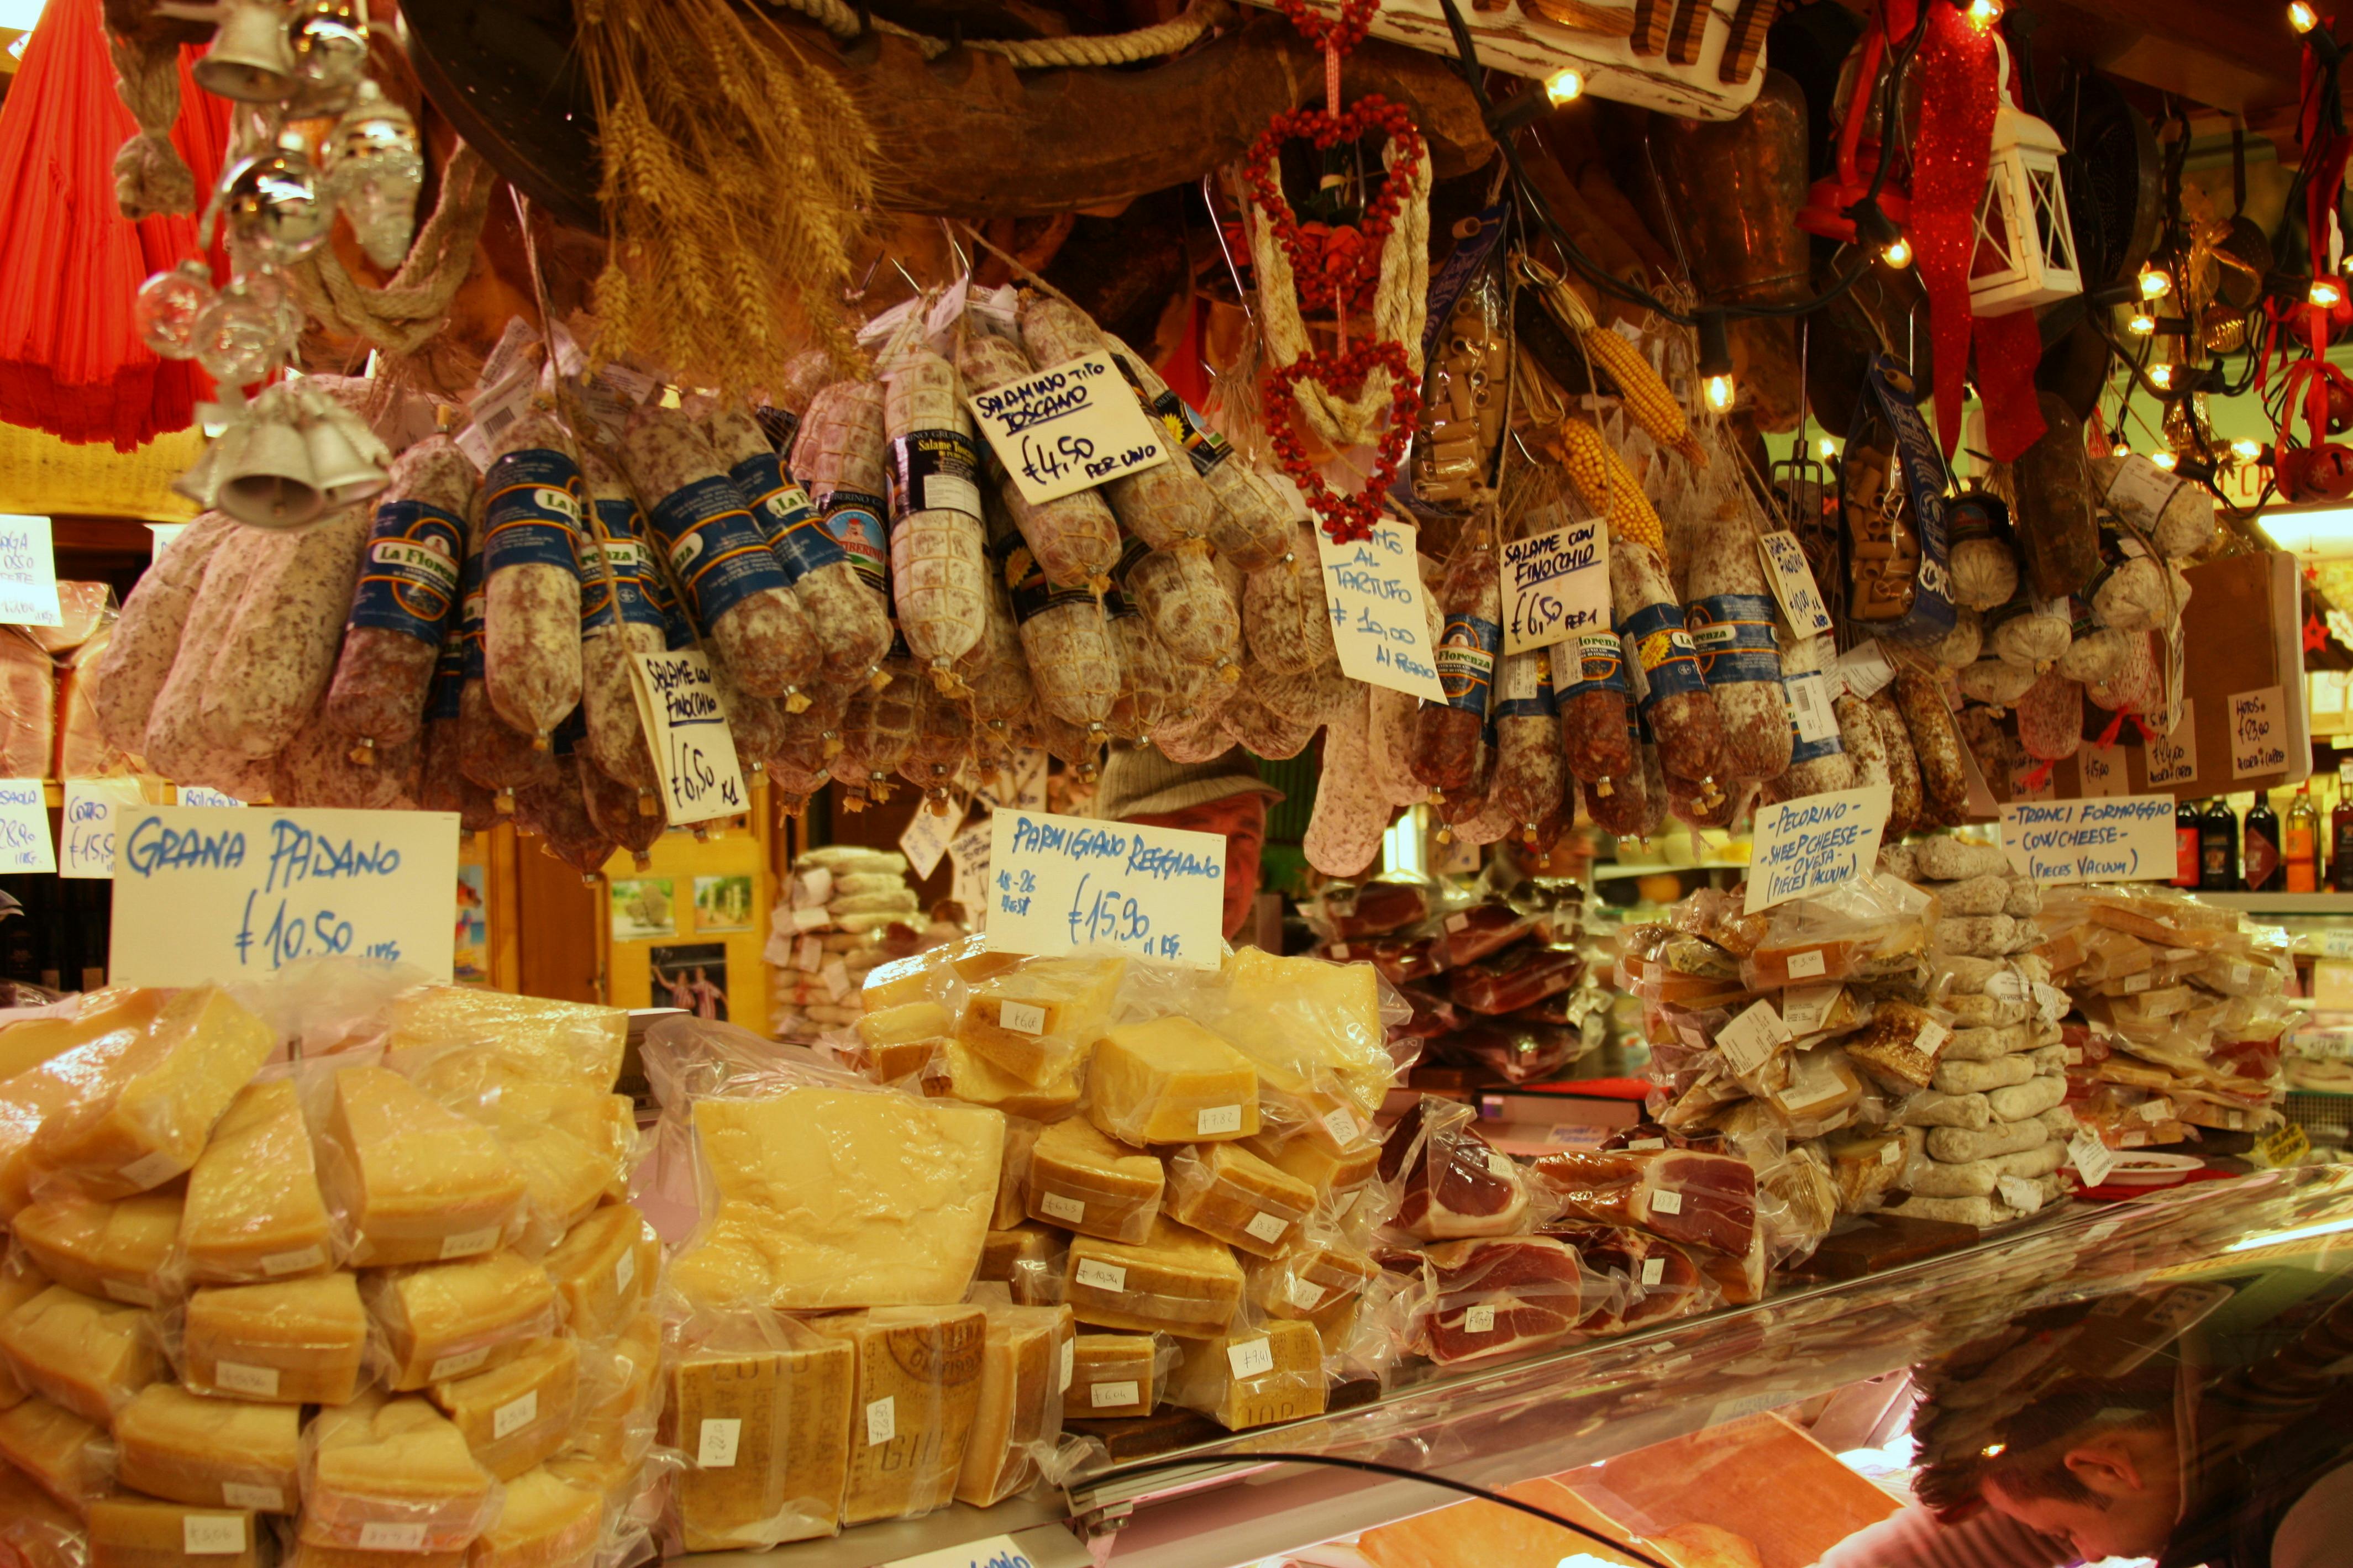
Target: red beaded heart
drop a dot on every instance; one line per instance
(1333, 273)
(1341, 33)
(1345, 517)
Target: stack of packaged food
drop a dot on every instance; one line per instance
(382, 1302)
(847, 911)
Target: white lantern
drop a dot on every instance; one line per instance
(2025, 246)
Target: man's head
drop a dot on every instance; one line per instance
(1224, 796)
(2112, 1487)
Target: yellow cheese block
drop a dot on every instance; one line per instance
(298, 1341)
(1309, 1099)
(1019, 1416)
(976, 1081)
(931, 974)
(26, 1045)
(19, 1283)
(1176, 1280)
(1083, 1181)
(1306, 1013)
(1113, 1375)
(440, 1321)
(620, 1384)
(113, 1249)
(1027, 1020)
(899, 1025)
(564, 1180)
(918, 1386)
(1315, 1279)
(150, 1120)
(44, 1532)
(217, 1453)
(765, 1430)
(542, 1522)
(562, 1042)
(415, 1182)
(1225, 1190)
(65, 1455)
(379, 1466)
(88, 1355)
(29, 1100)
(1252, 1378)
(603, 1270)
(1171, 1081)
(1027, 1260)
(1337, 1178)
(308, 1554)
(837, 1198)
(254, 1209)
(140, 1532)
(622, 1485)
(1022, 1136)
(514, 1416)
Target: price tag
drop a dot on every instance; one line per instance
(2019, 1194)
(514, 1416)
(2092, 1160)
(1806, 1008)
(1478, 1320)
(1069, 1364)
(998, 1550)
(1555, 585)
(2120, 839)
(24, 843)
(2173, 760)
(161, 534)
(1653, 1271)
(927, 837)
(881, 1420)
(1814, 844)
(1067, 428)
(261, 1500)
(1810, 707)
(1793, 583)
(1059, 884)
(835, 977)
(1379, 609)
(197, 795)
(716, 1450)
(1021, 1017)
(28, 573)
(2101, 769)
(686, 724)
(1069, 1210)
(808, 955)
(1751, 1038)
(383, 1537)
(201, 897)
(2281, 1147)
(1342, 1125)
(458, 1365)
(1305, 1294)
(968, 853)
(1667, 1202)
(235, 1377)
(1865, 670)
(1214, 1121)
(2029, 779)
(469, 1243)
(2258, 733)
(1457, 858)
(86, 844)
(2051, 1003)
(1251, 1358)
(1095, 1274)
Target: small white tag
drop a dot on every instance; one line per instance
(1865, 670)
(261, 1500)
(1216, 1118)
(1752, 1038)
(129, 1295)
(1810, 705)
(812, 918)
(382, 1537)
(1021, 1017)
(1305, 1294)
(1268, 1227)
(1499, 1164)
(1070, 1364)
(1806, 1008)
(1890, 1152)
(835, 978)
(211, 1534)
(1070, 1211)
(1807, 964)
(2074, 1056)
(716, 1448)
(1479, 1319)
(881, 1420)
(2092, 1159)
(450, 1366)
(1666, 1202)
(1792, 580)
(2006, 985)
(2051, 1003)
(2019, 1194)
(468, 1243)
(2153, 1110)
(277, 1263)
(925, 840)
(1251, 1358)
(808, 955)
(150, 1170)
(1456, 923)
(1931, 1039)
(514, 1416)
(679, 704)
(1095, 1274)
(625, 1270)
(1109, 1395)
(235, 1377)
(1342, 1127)
(1653, 1271)
(2136, 983)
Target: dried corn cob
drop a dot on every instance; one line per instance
(1646, 398)
(1607, 485)
(939, 568)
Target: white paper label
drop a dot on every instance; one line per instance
(1499, 1164)
(2092, 1159)
(1793, 583)
(1305, 1294)
(1807, 964)
(1057, 884)
(1251, 1358)
(1067, 427)
(235, 1377)
(1931, 1039)
(381, 1537)
(1810, 704)
(2051, 1003)
(28, 573)
(466, 1244)
(2074, 1056)
(1374, 593)
(1890, 1152)
(1107, 1395)
(277, 1263)
(2136, 984)
(1267, 1226)
(2119, 838)
(1555, 585)
(86, 827)
(2019, 1194)
(1097, 1275)
(1751, 1038)
(1021, 1017)
(198, 797)
(2138, 490)
(1343, 1126)
(835, 978)
(1865, 670)
(456, 1365)
(1814, 844)
(2174, 760)
(129, 1295)
(1479, 1319)
(813, 919)
(24, 843)
(1069, 1364)
(1646, 1143)
(261, 1500)
(2258, 733)
(1653, 1271)
(1806, 1008)
(1070, 1211)
(716, 1448)
(926, 837)
(514, 1416)
(808, 955)
(1667, 1202)
(1212, 1120)
(685, 718)
(881, 1420)
(2153, 1110)
(2006, 985)
(968, 854)
(2101, 769)
(625, 1270)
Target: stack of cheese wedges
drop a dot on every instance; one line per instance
(845, 912)
(382, 1308)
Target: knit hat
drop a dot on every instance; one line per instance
(1140, 782)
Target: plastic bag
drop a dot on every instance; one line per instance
(28, 706)
(298, 1341)
(386, 1473)
(1443, 1181)
(760, 1406)
(438, 1321)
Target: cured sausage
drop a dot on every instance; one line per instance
(729, 582)
(1447, 733)
(941, 742)
(1285, 620)
(844, 458)
(1625, 811)
(1391, 746)
(2058, 529)
(1259, 730)
(1936, 745)
(755, 724)
(494, 755)
(130, 674)
(443, 786)
(1163, 505)
(1196, 737)
(404, 600)
(1865, 746)
(1818, 762)
(939, 555)
(620, 618)
(876, 732)
(1188, 609)
(1530, 767)
(532, 499)
(553, 808)
(1663, 666)
(1597, 731)
(994, 672)
(1079, 747)
(1250, 526)
(616, 811)
(278, 652)
(1147, 689)
(1730, 616)
(318, 769)
(1064, 637)
(1907, 814)
(1074, 538)
(2050, 717)
(1344, 832)
(845, 616)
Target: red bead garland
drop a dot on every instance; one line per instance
(1345, 517)
(1339, 34)
(1331, 273)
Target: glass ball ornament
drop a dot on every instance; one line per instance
(276, 205)
(168, 306)
(241, 336)
(376, 167)
(329, 41)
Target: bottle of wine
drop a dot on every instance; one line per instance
(2259, 864)
(2218, 847)
(2302, 844)
(2185, 843)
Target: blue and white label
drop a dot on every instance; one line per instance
(718, 552)
(408, 578)
(1812, 716)
(530, 511)
(854, 520)
(1732, 636)
(1466, 661)
(1661, 650)
(1600, 666)
(1061, 884)
(615, 569)
(786, 515)
(1525, 690)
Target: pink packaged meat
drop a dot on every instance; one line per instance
(1703, 1200)
(1510, 981)
(1506, 1296)
(1473, 933)
(1375, 909)
(1447, 1183)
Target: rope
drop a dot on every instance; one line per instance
(150, 175)
(407, 313)
(1167, 38)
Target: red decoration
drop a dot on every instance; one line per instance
(2315, 473)
(1346, 517)
(1338, 34)
(2316, 635)
(1334, 268)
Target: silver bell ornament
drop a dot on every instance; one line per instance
(276, 205)
(347, 458)
(376, 166)
(242, 335)
(264, 479)
(248, 61)
(168, 307)
(329, 41)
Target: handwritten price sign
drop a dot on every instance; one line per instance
(1067, 428)
(1057, 884)
(2101, 838)
(1811, 845)
(2258, 733)
(686, 722)
(1555, 585)
(86, 842)
(24, 843)
(1380, 626)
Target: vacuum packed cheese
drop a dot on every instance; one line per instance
(544, 1522)
(84, 1353)
(1315, 1279)
(1025, 1359)
(918, 1388)
(513, 1416)
(1176, 1280)
(412, 1181)
(837, 1198)
(1083, 1181)
(1311, 1016)
(1026, 1019)
(1113, 1375)
(1270, 1373)
(220, 1453)
(32, 1098)
(19, 1283)
(441, 1320)
(564, 1042)
(933, 974)
(909, 1022)
(620, 1392)
(124, 1009)
(113, 1249)
(65, 1455)
(148, 1115)
(564, 1178)
(764, 1419)
(309, 1554)
(1225, 1190)
(975, 1080)
(1171, 1081)
(382, 1474)
(603, 1270)
(1027, 1260)
(298, 1341)
(1337, 1177)
(140, 1532)
(254, 1209)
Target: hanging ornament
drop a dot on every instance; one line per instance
(2316, 634)
(274, 207)
(168, 306)
(328, 40)
(374, 168)
(1337, 266)
(240, 337)
(248, 59)
(2025, 244)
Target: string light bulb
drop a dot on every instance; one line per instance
(2161, 376)
(2164, 460)
(2301, 17)
(1829, 448)
(1564, 86)
(1720, 393)
(2247, 451)
(2121, 449)
(2326, 294)
(1716, 359)
(2156, 283)
(2142, 323)
(1899, 253)
(1984, 14)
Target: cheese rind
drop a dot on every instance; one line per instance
(1171, 1081)
(1317, 1279)
(542, 1521)
(413, 1180)
(217, 1453)
(765, 1430)
(1019, 1414)
(440, 1321)
(919, 1373)
(111, 1249)
(299, 1341)
(254, 1209)
(604, 1270)
(1113, 1375)
(140, 1532)
(515, 1415)
(1254, 1377)
(1225, 1190)
(62, 1452)
(1176, 1281)
(620, 1387)
(381, 1462)
(1029, 1020)
(1083, 1181)
(902, 1025)
(88, 1355)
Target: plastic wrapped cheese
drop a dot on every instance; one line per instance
(515, 1415)
(1025, 1359)
(934, 974)
(442, 1321)
(603, 1270)
(1337, 1178)
(918, 1387)
(542, 1522)
(1116, 1375)
(1028, 1261)
(1028, 1020)
(1256, 1376)
(1083, 1181)
(222, 1453)
(88, 1355)
(975, 1080)
(116, 1250)
(392, 1475)
(69, 1458)
(566, 1041)
(1176, 1280)
(124, 1009)
(1315, 1279)
(761, 1408)
(1170, 1080)
(29, 1100)
(37, 1527)
(620, 1393)
(141, 1533)
(1314, 1018)
(19, 1283)
(1225, 1190)
(298, 1342)
(254, 1209)
(411, 1181)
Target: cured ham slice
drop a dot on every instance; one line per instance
(1503, 1296)
(1703, 1200)
(1450, 1183)
(1654, 1280)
